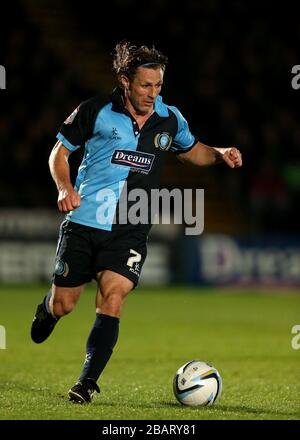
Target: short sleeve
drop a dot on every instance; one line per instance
(184, 139)
(79, 126)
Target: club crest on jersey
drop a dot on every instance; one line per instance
(70, 119)
(138, 161)
(163, 141)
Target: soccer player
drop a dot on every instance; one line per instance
(124, 142)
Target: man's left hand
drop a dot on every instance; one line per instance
(233, 157)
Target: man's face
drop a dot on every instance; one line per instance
(144, 88)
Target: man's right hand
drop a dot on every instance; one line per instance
(68, 200)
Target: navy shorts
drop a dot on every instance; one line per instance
(83, 251)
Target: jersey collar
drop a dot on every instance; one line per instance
(160, 108)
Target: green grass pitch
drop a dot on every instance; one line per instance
(245, 334)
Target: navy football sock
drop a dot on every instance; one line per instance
(100, 344)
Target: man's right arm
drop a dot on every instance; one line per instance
(68, 198)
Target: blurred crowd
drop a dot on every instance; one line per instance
(229, 73)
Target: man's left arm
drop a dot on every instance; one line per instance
(203, 155)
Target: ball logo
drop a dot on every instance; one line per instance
(163, 141)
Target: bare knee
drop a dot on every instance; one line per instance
(61, 307)
(112, 304)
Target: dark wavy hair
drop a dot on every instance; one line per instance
(127, 58)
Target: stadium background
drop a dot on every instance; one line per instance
(230, 74)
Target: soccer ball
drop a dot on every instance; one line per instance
(197, 383)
